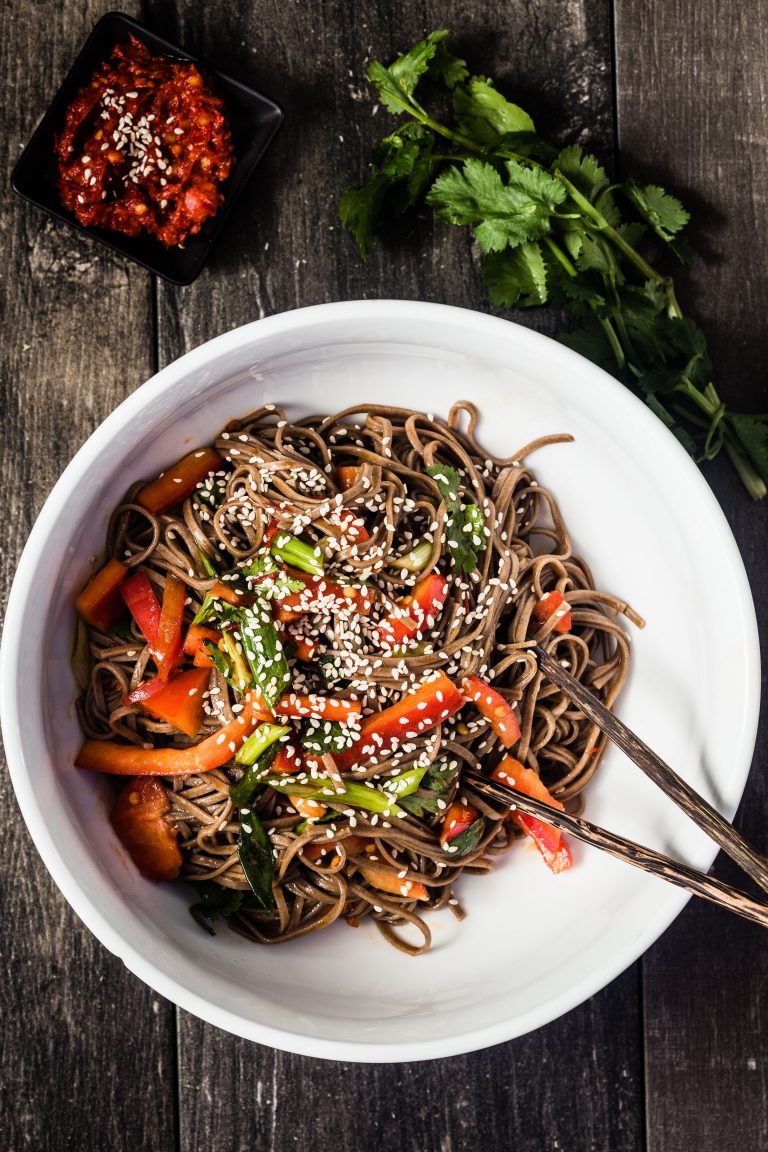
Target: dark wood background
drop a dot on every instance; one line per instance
(671, 1057)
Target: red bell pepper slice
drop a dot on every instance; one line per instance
(348, 475)
(180, 481)
(139, 595)
(491, 704)
(100, 602)
(320, 594)
(138, 818)
(178, 701)
(415, 612)
(415, 713)
(352, 525)
(549, 841)
(312, 707)
(287, 763)
(554, 604)
(213, 752)
(194, 644)
(460, 816)
(171, 625)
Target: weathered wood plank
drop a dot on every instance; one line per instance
(576, 1084)
(692, 109)
(88, 1053)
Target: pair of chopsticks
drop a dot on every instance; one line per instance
(700, 811)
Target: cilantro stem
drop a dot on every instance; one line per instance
(634, 257)
(753, 483)
(603, 321)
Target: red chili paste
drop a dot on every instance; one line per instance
(145, 147)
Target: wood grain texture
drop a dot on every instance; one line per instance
(78, 1029)
(77, 338)
(572, 1087)
(692, 108)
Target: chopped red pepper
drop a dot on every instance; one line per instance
(415, 612)
(498, 712)
(285, 763)
(213, 752)
(194, 644)
(553, 603)
(179, 481)
(308, 808)
(138, 818)
(320, 594)
(383, 732)
(352, 525)
(271, 530)
(100, 602)
(353, 846)
(311, 707)
(229, 594)
(171, 625)
(178, 701)
(139, 595)
(460, 816)
(348, 475)
(548, 840)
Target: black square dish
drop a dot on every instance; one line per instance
(253, 120)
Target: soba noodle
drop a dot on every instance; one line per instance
(486, 628)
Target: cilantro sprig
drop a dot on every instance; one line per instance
(551, 229)
(464, 531)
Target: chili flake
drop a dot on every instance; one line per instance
(145, 147)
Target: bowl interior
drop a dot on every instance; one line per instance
(532, 945)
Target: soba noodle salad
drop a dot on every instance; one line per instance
(304, 636)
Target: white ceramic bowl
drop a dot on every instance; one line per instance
(533, 945)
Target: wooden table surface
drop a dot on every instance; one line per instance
(673, 1055)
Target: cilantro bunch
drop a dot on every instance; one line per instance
(550, 228)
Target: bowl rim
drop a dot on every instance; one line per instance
(306, 320)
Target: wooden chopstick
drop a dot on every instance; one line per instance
(753, 863)
(657, 864)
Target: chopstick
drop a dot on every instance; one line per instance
(753, 863)
(715, 891)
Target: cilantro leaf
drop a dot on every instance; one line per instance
(215, 900)
(630, 320)
(468, 840)
(595, 254)
(397, 84)
(503, 214)
(360, 211)
(752, 434)
(515, 276)
(434, 787)
(254, 851)
(590, 341)
(264, 652)
(483, 114)
(446, 67)
(663, 212)
(320, 736)
(464, 529)
(241, 792)
(583, 171)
